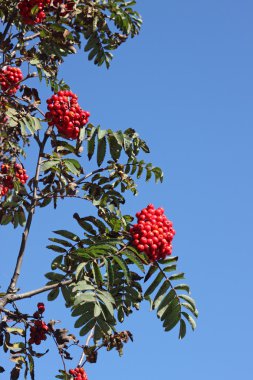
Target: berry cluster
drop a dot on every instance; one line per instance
(8, 173)
(78, 374)
(9, 79)
(38, 332)
(153, 233)
(65, 113)
(39, 329)
(20, 173)
(33, 11)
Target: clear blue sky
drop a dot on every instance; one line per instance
(186, 85)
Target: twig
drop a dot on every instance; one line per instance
(60, 353)
(31, 293)
(16, 273)
(90, 336)
(32, 37)
(8, 25)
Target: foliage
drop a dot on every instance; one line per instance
(100, 275)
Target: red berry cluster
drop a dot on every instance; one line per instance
(20, 173)
(39, 329)
(153, 233)
(26, 8)
(7, 177)
(9, 79)
(65, 113)
(78, 374)
(38, 332)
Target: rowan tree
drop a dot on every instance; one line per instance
(118, 262)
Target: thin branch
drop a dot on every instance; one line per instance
(17, 270)
(8, 25)
(90, 336)
(32, 37)
(31, 293)
(90, 174)
(60, 353)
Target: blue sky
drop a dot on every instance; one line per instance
(185, 84)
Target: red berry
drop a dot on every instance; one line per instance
(41, 307)
(10, 173)
(153, 233)
(64, 113)
(78, 374)
(10, 83)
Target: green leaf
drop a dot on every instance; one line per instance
(45, 165)
(178, 276)
(65, 243)
(170, 268)
(192, 309)
(89, 326)
(105, 327)
(173, 318)
(182, 330)
(165, 302)
(190, 320)
(121, 263)
(151, 271)
(110, 274)
(53, 294)
(97, 310)
(31, 367)
(97, 274)
(166, 316)
(6, 219)
(57, 277)
(169, 260)
(85, 318)
(154, 285)
(132, 257)
(101, 150)
(182, 287)
(106, 302)
(56, 262)
(67, 234)
(91, 144)
(73, 166)
(87, 297)
(79, 270)
(56, 248)
(21, 217)
(188, 299)
(160, 294)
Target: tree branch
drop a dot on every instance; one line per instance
(17, 297)
(8, 25)
(16, 273)
(90, 336)
(32, 37)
